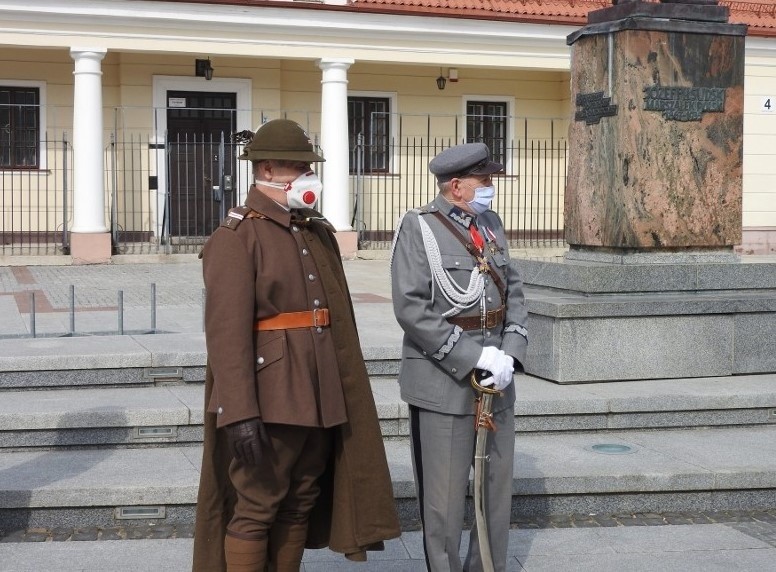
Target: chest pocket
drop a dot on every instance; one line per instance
(457, 262)
(500, 260)
(270, 351)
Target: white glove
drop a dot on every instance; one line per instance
(501, 365)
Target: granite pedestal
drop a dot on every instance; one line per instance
(595, 321)
(651, 287)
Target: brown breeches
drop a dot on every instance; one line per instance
(283, 488)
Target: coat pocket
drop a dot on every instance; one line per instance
(270, 351)
(421, 382)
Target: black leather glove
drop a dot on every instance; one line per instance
(247, 439)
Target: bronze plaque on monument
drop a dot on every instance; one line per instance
(657, 135)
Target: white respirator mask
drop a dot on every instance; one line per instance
(302, 192)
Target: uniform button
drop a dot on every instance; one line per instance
(490, 299)
(454, 370)
(487, 334)
(457, 263)
(220, 410)
(319, 329)
(316, 302)
(311, 277)
(260, 360)
(304, 252)
(295, 228)
(425, 354)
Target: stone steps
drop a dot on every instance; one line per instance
(125, 361)
(558, 473)
(96, 430)
(160, 415)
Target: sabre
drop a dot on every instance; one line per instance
(483, 424)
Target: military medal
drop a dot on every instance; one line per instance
(479, 245)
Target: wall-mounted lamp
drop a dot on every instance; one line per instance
(441, 81)
(203, 68)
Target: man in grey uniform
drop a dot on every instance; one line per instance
(461, 306)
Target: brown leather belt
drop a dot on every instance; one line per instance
(493, 318)
(317, 318)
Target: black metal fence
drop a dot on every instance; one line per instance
(166, 197)
(169, 197)
(529, 194)
(37, 203)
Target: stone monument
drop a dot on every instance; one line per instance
(651, 286)
(657, 135)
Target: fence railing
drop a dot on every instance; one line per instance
(167, 196)
(37, 203)
(529, 195)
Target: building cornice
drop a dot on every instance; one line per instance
(278, 30)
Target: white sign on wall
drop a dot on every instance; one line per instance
(176, 102)
(768, 104)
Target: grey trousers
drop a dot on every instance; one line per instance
(442, 456)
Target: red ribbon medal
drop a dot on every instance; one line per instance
(476, 237)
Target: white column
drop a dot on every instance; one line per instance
(88, 162)
(334, 140)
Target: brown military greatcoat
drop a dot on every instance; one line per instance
(282, 261)
(261, 268)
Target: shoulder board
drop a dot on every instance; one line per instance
(237, 215)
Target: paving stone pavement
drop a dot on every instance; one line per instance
(140, 297)
(712, 547)
(755, 523)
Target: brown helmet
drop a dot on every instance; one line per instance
(280, 139)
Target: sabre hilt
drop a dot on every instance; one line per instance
(483, 416)
(477, 376)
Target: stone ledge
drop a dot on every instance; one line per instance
(681, 461)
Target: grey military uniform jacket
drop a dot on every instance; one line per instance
(437, 356)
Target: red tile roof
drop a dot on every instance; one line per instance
(759, 15)
(534, 11)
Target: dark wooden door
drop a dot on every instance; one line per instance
(201, 160)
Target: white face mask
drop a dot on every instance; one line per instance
(302, 192)
(483, 196)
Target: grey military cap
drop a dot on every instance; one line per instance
(462, 160)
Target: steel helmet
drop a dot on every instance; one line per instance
(280, 139)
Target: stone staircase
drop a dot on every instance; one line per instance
(106, 431)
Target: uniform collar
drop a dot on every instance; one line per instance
(260, 202)
(457, 215)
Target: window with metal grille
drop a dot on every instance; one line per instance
(368, 134)
(19, 127)
(486, 122)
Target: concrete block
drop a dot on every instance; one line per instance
(88, 352)
(604, 349)
(86, 478)
(106, 407)
(568, 464)
(174, 349)
(755, 343)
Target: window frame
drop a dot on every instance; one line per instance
(42, 149)
(509, 103)
(391, 135)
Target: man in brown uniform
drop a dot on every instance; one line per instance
(290, 414)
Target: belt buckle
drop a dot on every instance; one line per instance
(490, 318)
(315, 318)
